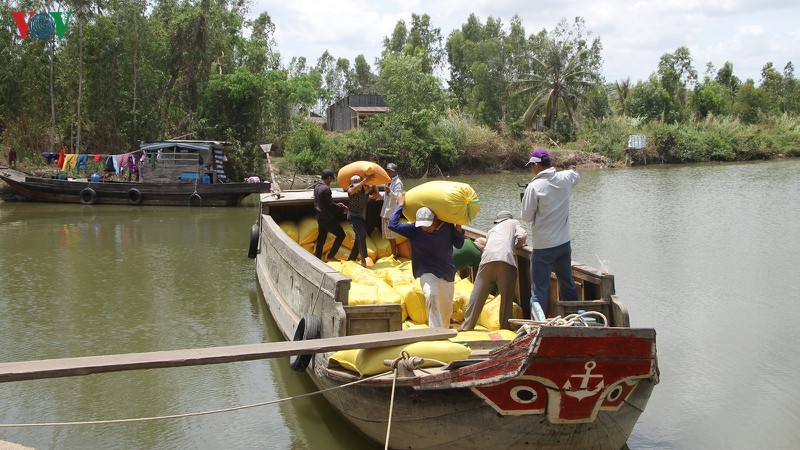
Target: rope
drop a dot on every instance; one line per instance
(403, 354)
(191, 414)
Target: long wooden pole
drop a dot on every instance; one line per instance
(66, 367)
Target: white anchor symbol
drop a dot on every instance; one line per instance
(583, 392)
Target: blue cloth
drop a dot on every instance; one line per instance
(117, 168)
(556, 259)
(430, 252)
(82, 160)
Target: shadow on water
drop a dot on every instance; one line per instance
(313, 421)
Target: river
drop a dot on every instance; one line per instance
(705, 254)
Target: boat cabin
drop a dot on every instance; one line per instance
(184, 161)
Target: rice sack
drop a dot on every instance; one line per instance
(451, 201)
(362, 169)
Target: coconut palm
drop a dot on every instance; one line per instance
(565, 69)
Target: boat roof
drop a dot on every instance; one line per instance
(299, 196)
(189, 145)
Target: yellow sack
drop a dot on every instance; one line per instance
(363, 294)
(342, 254)
(336, 265)
(475, 335)
(444, 351)
(349, 235)
(396, 277)
(347, 358)
(412, 297)
(364, 275)
(369, 361)
(451, 201)
(382, 246)
(385, 263)
(308, 230)
(362, 169)
(291, 229)
(409, 325)
(371, 252)
(490, 316)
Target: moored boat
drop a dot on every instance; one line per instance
(174, 173)
(549, 387)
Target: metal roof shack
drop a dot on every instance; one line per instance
(347, 113)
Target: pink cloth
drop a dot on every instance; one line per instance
(122, 161)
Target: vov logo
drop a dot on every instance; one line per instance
(42, 25)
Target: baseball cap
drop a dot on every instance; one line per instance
(538, 156)
(424, 217)
(503, 215)
(392, 167)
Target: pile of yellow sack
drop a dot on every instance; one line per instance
(389, 279)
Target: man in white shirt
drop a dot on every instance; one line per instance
(546, 204)
(392, 190)
(498, 266)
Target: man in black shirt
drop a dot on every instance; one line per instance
(328, 214)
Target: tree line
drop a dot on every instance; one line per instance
(131, 71)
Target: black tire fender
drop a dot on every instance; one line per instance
(308, 328)
(87, 196)
(134, 196)
(196, 196)
(252, 251)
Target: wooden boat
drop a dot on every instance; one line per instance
(175, 173)
(553, 387)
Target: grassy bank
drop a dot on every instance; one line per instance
(454, 145)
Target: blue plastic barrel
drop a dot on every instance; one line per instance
(205, 179)
(95, 178)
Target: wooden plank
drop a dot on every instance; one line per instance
(54, 368)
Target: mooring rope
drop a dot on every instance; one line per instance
(191, 414)
(391, 402)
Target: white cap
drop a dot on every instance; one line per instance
(425, 217)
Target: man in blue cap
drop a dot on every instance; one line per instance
(546, 205)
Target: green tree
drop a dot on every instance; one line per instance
(416, 100)
(566, 67)
(481, 70)
(364, 81)
(421, 40)
(677, 76)
(647, 100)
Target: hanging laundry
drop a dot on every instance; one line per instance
(82, 162)
(61, 156)
(120, 161)
(98, 158)
(70, 161)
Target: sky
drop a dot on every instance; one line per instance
(634, 34)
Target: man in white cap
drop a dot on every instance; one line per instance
(432, 242)
(546, 204)
(498, 266)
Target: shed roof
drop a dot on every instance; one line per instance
(369, 109)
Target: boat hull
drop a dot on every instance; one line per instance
(29, 188)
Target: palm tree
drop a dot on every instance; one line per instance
(565, 69)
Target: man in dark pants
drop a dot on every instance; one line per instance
(328, 214)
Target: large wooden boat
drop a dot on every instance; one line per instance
(174, 173)
(551, 387)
